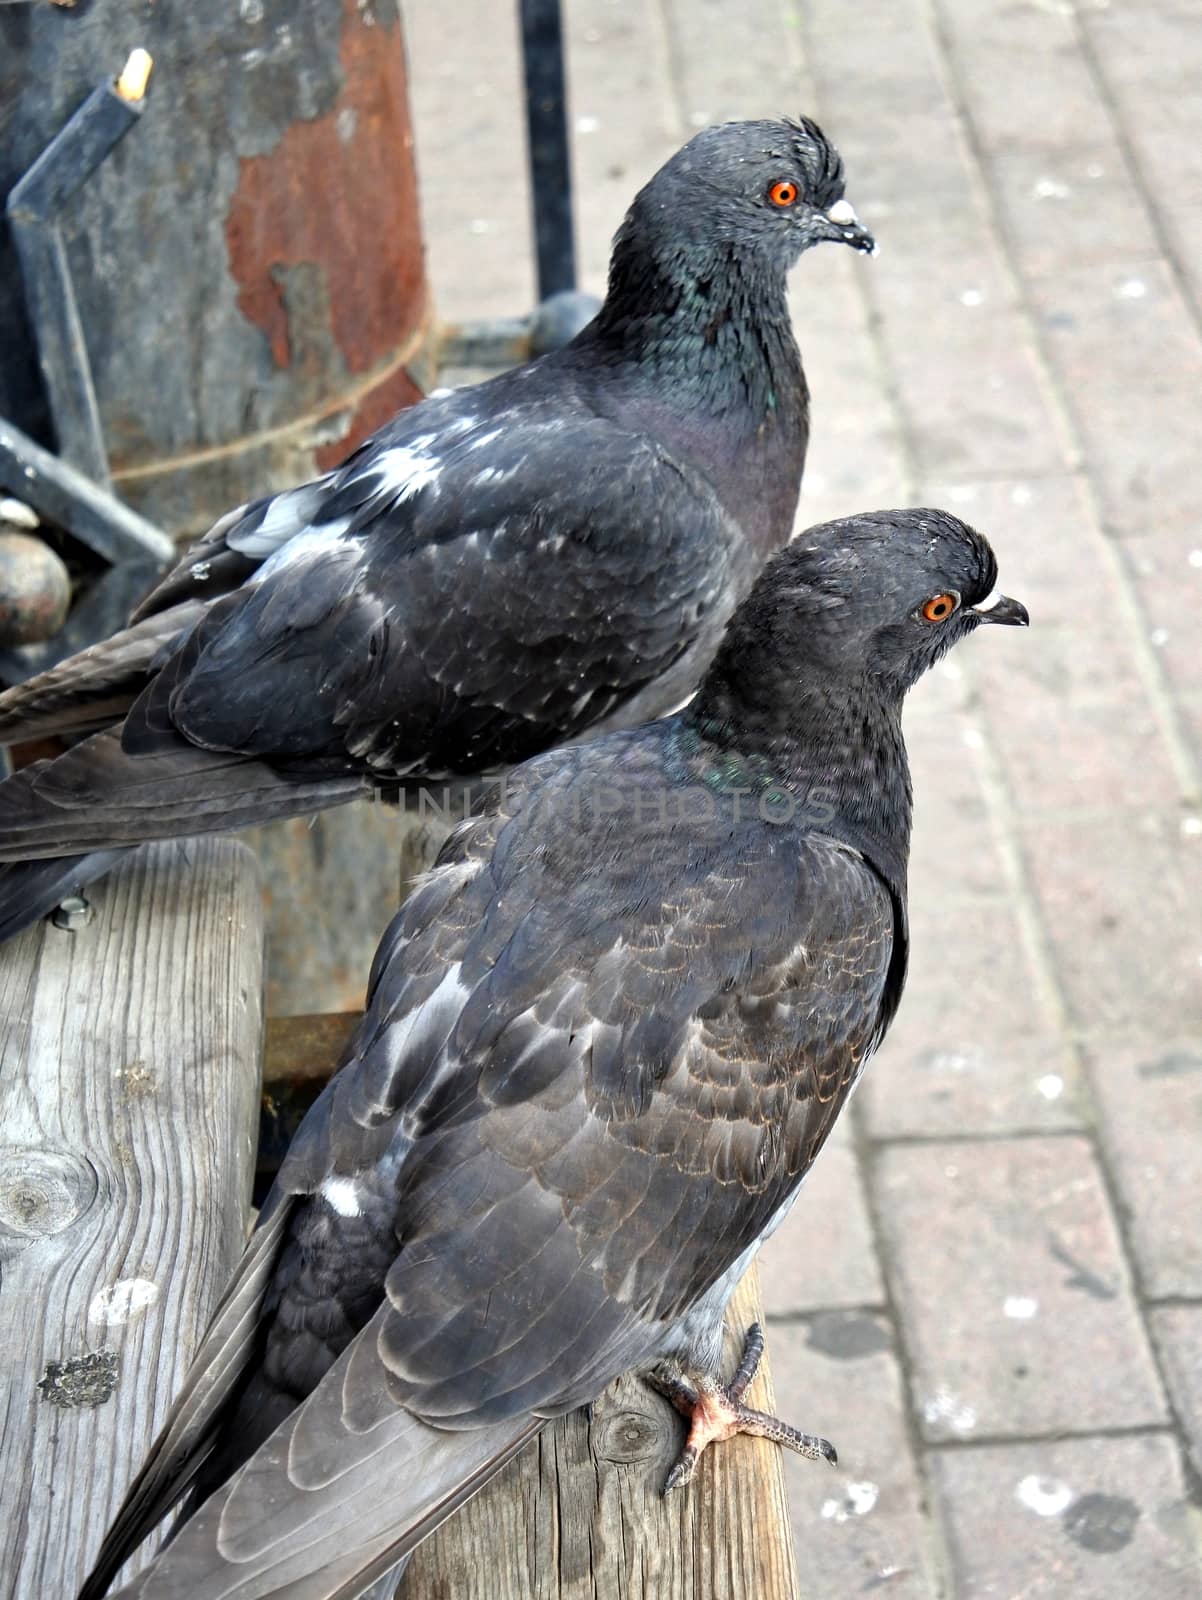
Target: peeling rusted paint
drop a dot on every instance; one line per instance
(333, 206)
(374, 409)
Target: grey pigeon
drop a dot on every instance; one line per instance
(604, 1042)
(497, 570)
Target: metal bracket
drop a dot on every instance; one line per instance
(73, 489)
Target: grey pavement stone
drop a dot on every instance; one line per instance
(1166, 572)
(1129, 360)
(1148, 56)
(465, 94)
(1054, 705)
(980, 408)
(1014, 1296)
(856, 454)
(624, 117)
(711, 80)
(974, 1048)
(1103, 1519)
(1178, 1334)
(954, 851)
(1150, 1096)
(823, 1255)
(1190, 711)
(860, 1528)
(1121, 898)
(1022, 74)
(1051, 553)
(1069, 205)
(938, 282)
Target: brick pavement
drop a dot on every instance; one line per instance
(990, 1295)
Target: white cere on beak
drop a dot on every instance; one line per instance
(990, 600)
(842, 213)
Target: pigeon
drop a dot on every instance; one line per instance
(605, 1040)
(499, 569)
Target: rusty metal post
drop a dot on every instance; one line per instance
(248, 270)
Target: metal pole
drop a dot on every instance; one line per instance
(547, 128)
(33, 208)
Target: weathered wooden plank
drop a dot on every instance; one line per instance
(129, 1076)
(580, 1516)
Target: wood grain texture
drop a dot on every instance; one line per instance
(580, 1516)
(129, 1081)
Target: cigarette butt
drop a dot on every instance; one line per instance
(131, 85)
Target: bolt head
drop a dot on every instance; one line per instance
(74, 912)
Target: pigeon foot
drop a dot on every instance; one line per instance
(716, 1412)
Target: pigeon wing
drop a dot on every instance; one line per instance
(589, 1077)
(456, 616)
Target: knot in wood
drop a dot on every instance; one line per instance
(42, 1192)
(629, 1436)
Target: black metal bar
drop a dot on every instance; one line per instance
(547, 129)
(33, 208)
(62, 495)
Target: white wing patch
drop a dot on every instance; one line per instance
(324, 540)
(427, 1027)
(286, 516)
(342, 1196)
(408, 468)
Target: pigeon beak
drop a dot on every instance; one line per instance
(846, 228)
(1000, 608)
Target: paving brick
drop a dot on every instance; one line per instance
(465, 91)
(1167, 574)
(823, 1254)
(939, 284)
(1190, 711)
(974, 1047)
(1023, 79)
(624, 118)
(1121, 899)
(980, 407)
(856, 454)
(1053, 707)
(1051, 553)
(1148, 55)
(1069, 204)
(1016, 1303)
(1150, 1098)
(862, 1526)
(1130, 363)
(757, 72)
(1106, 1519)
(1178, 1334)
(954, 851)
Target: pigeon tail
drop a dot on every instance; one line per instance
(94, 688)
(349, 1520)
(98, 798)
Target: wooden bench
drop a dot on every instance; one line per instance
(130, 1100)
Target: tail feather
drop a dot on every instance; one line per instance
(94, 688)
(188, 1436)
(96, 797)
(271, 1532)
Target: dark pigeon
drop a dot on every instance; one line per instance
(605, 1040)
(497, 570)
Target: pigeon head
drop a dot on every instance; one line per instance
(754, 192)
(870, 602)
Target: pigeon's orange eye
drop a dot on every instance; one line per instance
(940, 606)
(783, 192)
